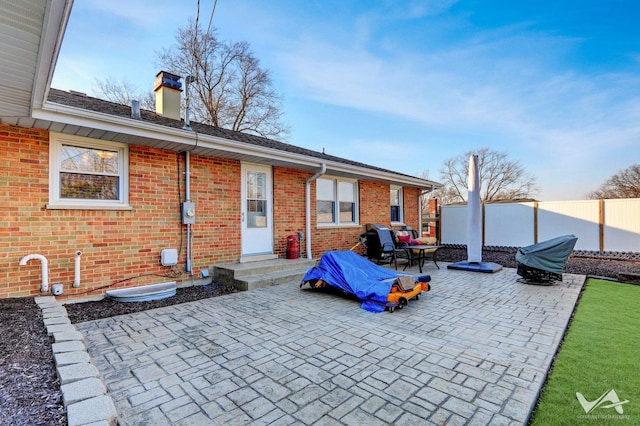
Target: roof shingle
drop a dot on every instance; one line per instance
(80, 100)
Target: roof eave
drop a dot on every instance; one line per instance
(83, 122)
(54, 26)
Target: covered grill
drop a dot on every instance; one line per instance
(543, 262)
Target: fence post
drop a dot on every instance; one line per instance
(535, 222)
(601, 219)
(483, 222)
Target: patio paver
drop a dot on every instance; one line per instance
(475, 349)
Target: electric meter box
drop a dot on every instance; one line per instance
(188, 213)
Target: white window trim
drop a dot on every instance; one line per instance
(401, 201)
(336, 212)
(56, 141)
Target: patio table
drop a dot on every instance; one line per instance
(420, 253)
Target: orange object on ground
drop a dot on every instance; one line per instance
(399, 298)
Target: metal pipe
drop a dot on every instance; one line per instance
(76, 276)
(45, 269)
(323, 170)
(188, 266)
(187, 176)
(187, 80)
(187, 195)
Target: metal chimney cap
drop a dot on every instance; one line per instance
(169, 80)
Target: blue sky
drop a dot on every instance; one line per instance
(406, 85)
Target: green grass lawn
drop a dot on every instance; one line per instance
(601, 352)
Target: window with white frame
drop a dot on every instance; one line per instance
(336, 201)
(87, 173)
(397, 215)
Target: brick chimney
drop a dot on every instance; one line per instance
(168, 89)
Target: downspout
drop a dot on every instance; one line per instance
(307, 200)
(420, 194)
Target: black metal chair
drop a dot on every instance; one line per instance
(380, 244)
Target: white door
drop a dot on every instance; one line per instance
(257, 210)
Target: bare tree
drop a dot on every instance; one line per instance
(230, 88)
(624, 184)
(123, 92)
(500, 178)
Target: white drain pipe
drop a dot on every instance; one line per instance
(307, 199)
(76, 276)
(45, 269)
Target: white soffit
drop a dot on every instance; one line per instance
(30, 36)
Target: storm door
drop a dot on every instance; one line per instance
(257, 210)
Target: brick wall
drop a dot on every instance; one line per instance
(122, 248)
(432, 212)
(288, 207)
(215, 189)
(374, 208)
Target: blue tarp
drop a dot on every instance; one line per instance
(356, 275)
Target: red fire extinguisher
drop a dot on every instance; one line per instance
(293, 251)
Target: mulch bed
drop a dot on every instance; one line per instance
(105, 308)
(29, 387)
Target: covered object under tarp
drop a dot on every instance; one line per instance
(545, 261)
(352, 273)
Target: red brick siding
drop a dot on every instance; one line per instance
(411, 207)
(374, 205)
(432, 211)
(215, 190)
(288, 207)
(122, 248)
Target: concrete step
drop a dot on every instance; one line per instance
(248, 276)
(251, 282)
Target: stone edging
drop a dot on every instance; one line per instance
(83, 393)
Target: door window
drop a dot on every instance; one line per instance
(256, 199)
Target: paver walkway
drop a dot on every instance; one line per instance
(474, 350)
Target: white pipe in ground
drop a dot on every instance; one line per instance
(45, 269)
(76, 277)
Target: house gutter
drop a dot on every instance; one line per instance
(62, 114)
(307, 201)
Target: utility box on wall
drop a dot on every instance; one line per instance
(188, 213)
(169, 257)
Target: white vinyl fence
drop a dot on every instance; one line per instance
(600, 225)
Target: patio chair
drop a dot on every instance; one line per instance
(380, 245)
(408, 237)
